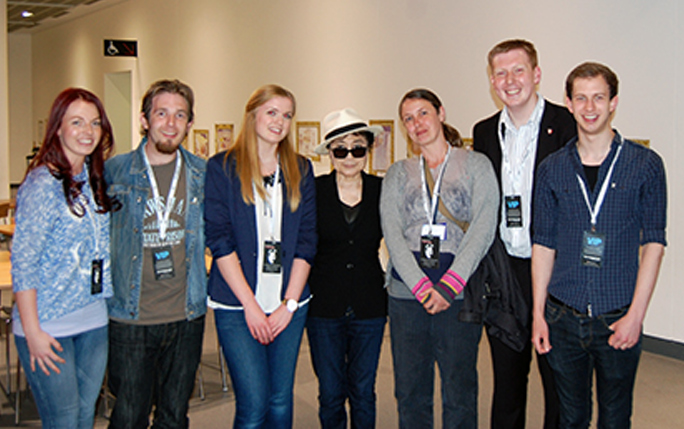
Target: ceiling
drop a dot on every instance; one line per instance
(43, 11)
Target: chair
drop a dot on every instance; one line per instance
(222, 370)
(14, 398)
(6, 211)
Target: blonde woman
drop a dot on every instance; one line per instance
(260, 214)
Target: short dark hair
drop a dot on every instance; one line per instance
(173, 87)
(591, 69)
(511, 44)
(369, 136)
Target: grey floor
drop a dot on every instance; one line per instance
(659, 394)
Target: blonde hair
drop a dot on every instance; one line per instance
(244, 150)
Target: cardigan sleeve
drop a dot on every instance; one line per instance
(402, 259)
(35, 216)
(482, 229)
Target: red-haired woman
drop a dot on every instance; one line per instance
(60, 262)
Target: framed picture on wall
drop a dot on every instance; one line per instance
(223, 135)
(308, 134)
(467, 143)
(643, 142)
(382, 155)
(200, 140)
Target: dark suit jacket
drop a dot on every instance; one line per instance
(556, 129)
(346, 271)
(495, 294)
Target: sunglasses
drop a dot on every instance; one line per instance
(342, 152)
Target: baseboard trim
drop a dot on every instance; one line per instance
(662, 347)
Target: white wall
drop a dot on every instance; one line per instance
(368, 53)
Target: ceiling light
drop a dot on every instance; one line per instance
(27, 14)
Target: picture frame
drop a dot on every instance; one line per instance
(467, 143)
(200, 140)
(308, 137)
(382, 155)
(223, 137)
(643, 142)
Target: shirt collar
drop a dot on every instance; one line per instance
(534, 120)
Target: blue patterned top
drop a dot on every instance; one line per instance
(633, 214)
(53, 250)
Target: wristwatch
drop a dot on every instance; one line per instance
(291, 305)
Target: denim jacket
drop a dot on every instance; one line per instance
(127, 182)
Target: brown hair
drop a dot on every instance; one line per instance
(244, 149)
(173, 87)
(590, 69)
(511, 44)
(51, 153)
(451, 134)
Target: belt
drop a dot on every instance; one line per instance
(577, 312)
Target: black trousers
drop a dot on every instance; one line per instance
(512, 368)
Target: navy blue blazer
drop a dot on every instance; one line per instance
(230, 226)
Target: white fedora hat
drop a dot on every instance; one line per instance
(340, 123)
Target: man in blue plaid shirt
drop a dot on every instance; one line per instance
(599, 237)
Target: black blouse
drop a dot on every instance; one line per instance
(346, 271)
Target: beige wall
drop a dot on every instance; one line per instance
(23, 131)
(367, 53)
(4, 105)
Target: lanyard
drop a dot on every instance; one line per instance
(92, 214)
(430, 202)
(272, 201)
(602, 194)
(163, 212)
(513, 169)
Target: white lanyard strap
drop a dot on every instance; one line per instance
(602, 194)
(89, 200)
(163, 212)
(513, 169)
(430, 202)
(272, 201)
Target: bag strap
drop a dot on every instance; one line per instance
(442, 208)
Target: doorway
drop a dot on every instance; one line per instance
(117, 101)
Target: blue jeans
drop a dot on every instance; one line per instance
(67, 400)
(580, 347)
(262, 376)
(418, 341)
(153, 365)
(345, 352)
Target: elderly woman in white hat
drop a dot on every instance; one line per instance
(347, 314)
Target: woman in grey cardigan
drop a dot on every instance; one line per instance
(439, 214)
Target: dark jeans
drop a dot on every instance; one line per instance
(262, 376)
(580, 349)
(153, 365)
(67, 399)
(345, 352)
(418, 341)
(511, 371)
